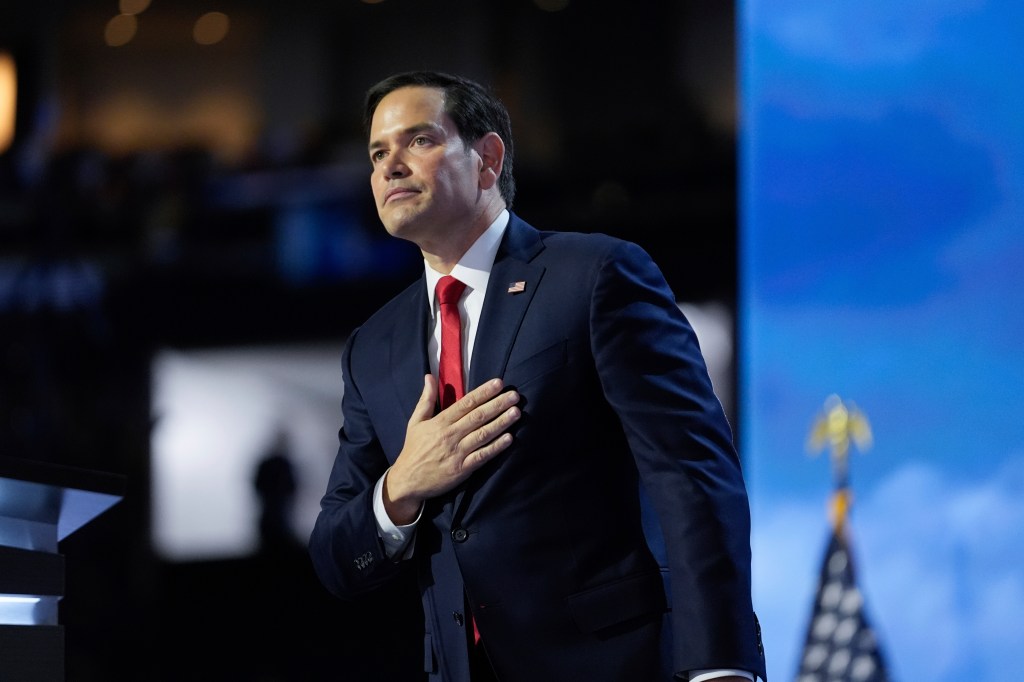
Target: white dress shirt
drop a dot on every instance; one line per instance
(474, 270)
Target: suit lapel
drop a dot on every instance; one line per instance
(504, 310)
(407, 352)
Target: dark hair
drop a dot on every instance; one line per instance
(474, 109)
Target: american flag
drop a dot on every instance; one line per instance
(517, 287)
(841, 646)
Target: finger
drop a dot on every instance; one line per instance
(425, 405)
(493, 428)
(485, 413)
(473, 399)
(481, 456)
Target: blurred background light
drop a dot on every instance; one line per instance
(120, 30)
(134, 6)
(211, 28)
(8, 99)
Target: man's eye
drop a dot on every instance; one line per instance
(420, 141)
(376, 156)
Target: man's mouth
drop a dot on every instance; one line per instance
(398, 193)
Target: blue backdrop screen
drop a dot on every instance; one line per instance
(882, 259)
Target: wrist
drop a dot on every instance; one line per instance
(402, 510)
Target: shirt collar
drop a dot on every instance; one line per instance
(474, 268)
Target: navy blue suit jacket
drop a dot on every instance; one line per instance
(547, 541)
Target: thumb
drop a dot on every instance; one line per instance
(428, 400)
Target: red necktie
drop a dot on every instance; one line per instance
(449, 368)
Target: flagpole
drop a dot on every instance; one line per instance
(840, 645)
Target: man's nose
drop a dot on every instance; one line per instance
(393, 166)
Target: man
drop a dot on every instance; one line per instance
(587, 407)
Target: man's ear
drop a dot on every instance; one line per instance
(492, 155)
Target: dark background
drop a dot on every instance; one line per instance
(162, 194)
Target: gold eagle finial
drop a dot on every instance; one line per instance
(836, 426)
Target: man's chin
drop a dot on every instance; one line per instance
(402, 228)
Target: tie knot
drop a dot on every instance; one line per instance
(449, 289)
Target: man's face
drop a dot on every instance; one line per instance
(425, 180)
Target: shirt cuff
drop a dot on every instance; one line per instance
(396, 539)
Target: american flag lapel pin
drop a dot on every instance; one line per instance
(517, 287)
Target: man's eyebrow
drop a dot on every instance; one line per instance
(411, 131)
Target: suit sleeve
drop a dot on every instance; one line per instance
(345, 548)
(655, 377)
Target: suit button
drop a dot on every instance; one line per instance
(458, 618)
(460, 534)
